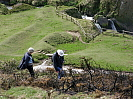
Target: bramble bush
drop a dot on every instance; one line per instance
(3, 9)
(21, 7)
(8, 66)
(39, 56)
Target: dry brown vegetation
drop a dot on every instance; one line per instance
(97, 82)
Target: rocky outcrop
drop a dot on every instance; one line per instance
(74, 13)
(102, 21)
(121, 10)
(125, 14)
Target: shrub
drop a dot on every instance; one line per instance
(21, 7)
(67, 2)
(58, 38)
(8, 66)
(30, 2)
(39, 56)
(90, 30)
(39, 2)
(34, 2)
(3, 9)
(12, 2)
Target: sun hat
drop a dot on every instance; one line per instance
(60, 52)
(31, 50)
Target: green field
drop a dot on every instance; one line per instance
(19, 31)
(110, 52)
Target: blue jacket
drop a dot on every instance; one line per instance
(25, 61)
(57, 61)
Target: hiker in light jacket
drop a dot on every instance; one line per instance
(27, 61)
(58, 61)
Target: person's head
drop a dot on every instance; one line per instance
(30, 50)
(60, 52)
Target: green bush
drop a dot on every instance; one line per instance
(30, 2)
(12, 2)
(39, 56)
(21, 7)
(39, 2)
(89, 28)
(58, 38)
(67, 2)
(33, 2)
(8, 66)
(3, 9)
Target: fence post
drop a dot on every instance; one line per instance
(58, 14)
(66, 16)
(71, 19)
(113, 34)
(74, 21)
(123, 32)
(62, 15)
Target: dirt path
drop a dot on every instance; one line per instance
(43, 67)
(77, 34)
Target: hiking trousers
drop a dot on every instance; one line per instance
(31, 71)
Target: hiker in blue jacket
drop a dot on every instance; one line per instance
(58, 61)
(27, 61)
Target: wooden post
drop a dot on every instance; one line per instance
(62, 15)
(71, 19)
(113, 33)
(66, 16)
(58, 14)
(123, 32)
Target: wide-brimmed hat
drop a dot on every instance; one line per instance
(60, 52)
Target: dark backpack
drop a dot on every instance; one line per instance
(22, 64)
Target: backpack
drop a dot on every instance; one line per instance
(22, 64)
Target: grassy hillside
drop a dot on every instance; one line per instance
(110, 52)
(39, 28)
(43, 30)
(19, 31)
(37, 93)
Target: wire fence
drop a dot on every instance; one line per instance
(89, 36)
(127, 32)
(70, 18)
(123, 32)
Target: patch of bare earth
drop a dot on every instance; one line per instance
(77, 34)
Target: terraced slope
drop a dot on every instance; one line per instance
(19, 31)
